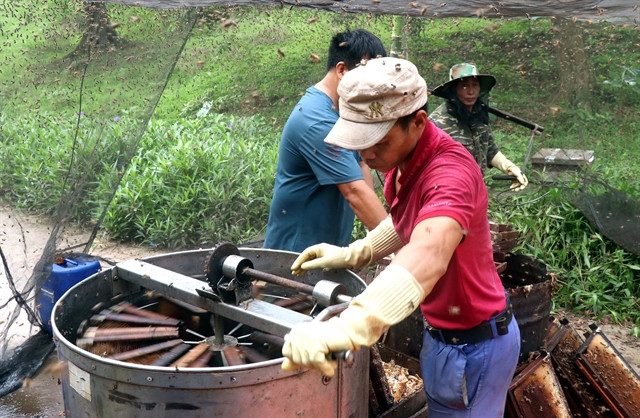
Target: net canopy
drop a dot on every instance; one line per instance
(574, 9)
(93, 76)
(109, 78)
(611, 211)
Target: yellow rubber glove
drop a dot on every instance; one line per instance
(379, 242)
(503, 164)
(392, 296)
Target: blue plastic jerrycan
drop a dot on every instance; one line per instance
(65, 273)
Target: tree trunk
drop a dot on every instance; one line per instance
(576, 72)
(99, 35)
(396, 49)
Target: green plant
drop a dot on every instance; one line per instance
(626, 77)
(594, 274)
(49, 160)
(197, 182)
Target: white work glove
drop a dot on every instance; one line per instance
(392, 296)
(379, 242)
(503, 164)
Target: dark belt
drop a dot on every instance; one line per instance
(496, 326)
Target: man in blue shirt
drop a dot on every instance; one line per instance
(319, 187)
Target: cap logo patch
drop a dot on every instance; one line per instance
(375, 110)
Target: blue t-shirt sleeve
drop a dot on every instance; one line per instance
(330, 164)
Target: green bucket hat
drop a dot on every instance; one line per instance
(460, 71)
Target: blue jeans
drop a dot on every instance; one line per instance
(469, 380)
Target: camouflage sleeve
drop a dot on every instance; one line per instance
(476, 138)
(449, 123)
(483, 144)
(492, 148)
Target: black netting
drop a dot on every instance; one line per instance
(611, 211)
(117, 58)
(119, 69)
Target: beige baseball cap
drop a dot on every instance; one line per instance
(373, 96)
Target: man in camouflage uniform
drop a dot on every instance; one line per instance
(465, 117)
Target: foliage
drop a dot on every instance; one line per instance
(594, 274)
(197, 182)
(224, 64)
(523, 55)
(47, 161)
(194, 182)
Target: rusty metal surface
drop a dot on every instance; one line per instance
(190, 356)
(536, 392)
(150, 349)
(610, 374)
(530, 288)
(258, 314)
(135, 310)
(380, 398)
(415, 404)
(203, 360)
(580, 9)
(168, 357)
(252, 356)
(95, 334)
(133, 319)
(149, 386)
(563, 343)
(232, 356)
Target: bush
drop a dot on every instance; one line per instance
(49, 162)
(197, 182)
(194, 182)
(594, 274)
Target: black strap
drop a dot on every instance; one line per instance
(496, 326)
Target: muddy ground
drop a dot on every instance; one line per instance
(22, 240)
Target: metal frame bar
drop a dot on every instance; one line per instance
(257, 314)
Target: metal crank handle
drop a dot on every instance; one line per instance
(504, 177)
(225, 261)
(345, 355)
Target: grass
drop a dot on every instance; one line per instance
(200, 168)
(227, 66)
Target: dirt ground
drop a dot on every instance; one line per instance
(22, 240)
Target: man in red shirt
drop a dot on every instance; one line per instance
(439, 230)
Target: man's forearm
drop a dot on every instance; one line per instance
(366, 174)
(364, 202)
